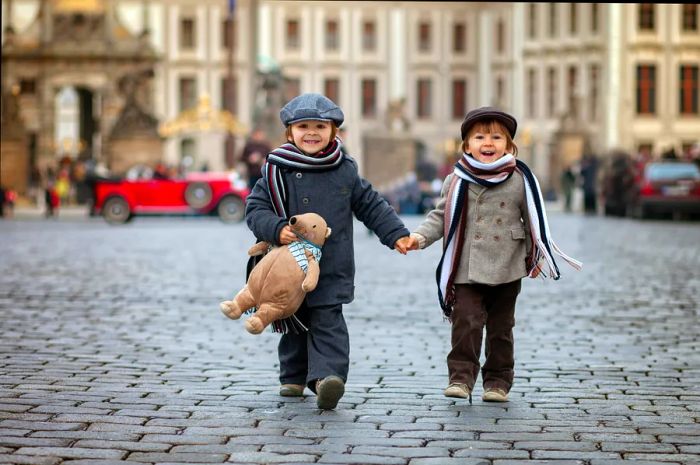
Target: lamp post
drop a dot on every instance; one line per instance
(230, 140)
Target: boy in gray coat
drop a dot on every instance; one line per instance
(492, 218)
(311, 173)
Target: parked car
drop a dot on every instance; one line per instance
(207, 193)
(667, 187)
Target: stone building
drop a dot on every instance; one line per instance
(578, 76)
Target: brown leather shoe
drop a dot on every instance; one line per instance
(292, 390)
(494, 395)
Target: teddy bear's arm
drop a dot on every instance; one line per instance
(258, 249)
(312, 273)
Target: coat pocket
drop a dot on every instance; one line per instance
(517, 233)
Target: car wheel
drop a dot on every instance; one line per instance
(198, 194)
(231, 209)
(116, 211)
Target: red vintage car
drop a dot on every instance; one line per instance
(207, 193)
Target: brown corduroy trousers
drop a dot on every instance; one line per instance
(478, 306)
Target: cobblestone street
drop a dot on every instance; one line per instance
(113, 350)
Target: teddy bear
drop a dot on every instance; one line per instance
(279, 282)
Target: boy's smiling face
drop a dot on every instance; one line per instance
(487, 142)
(311, 136)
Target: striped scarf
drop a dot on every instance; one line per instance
(488, 175)
(289, 157)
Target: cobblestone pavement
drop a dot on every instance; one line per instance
(113, 350)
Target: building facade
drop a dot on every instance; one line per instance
(618, 75)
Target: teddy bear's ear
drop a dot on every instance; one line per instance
(328, 232)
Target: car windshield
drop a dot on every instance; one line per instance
(658, 171)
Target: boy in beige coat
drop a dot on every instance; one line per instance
(491, 216)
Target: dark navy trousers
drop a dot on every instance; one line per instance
(321, 351)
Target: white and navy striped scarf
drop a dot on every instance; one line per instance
(289, 157)
(469, 170)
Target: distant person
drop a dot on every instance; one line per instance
(568, 184)
(160, 172)
(589, 178)
(52, 200)
(254, 153)
(491, 240)
(10, 199)
(310, 173)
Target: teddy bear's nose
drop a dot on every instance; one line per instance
(292, 220)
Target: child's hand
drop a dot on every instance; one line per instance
(412, 243)
(287, 236)
(401, 245)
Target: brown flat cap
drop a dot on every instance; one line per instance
(489, 113)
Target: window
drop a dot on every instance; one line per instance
(331, 89)
(229, 101)
(500, 91)
(690, 17)
(27, 86)
(369, 36)
(595, 13)
(593, 77)
(459, 98)
(423, 109)
(369, 98)
(188, 93)
(332, 35)
(459, 38)
(292, 35)
(292, 88)
(500, 36)
(228, 34)
(532, 21)
(573, 19)
(646, 16)
(531, 93)
(551, 92)
(688, 90)
(646, 89)
(187, 34)
(572, 74)
(424, 37)
(553, 20)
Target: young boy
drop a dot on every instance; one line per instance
(310, 173)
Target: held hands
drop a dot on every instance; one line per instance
(287, 236)
(406, 243)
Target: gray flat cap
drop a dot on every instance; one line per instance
(311, 106)
(489, 113)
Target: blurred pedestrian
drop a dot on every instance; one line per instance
(254, 154)
(568, 184)
(51, 199)
(10, 199)
(491, 240)
(310, 173)
(2, 202)
(589, 180)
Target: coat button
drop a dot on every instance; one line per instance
(503, 204)
(477, 237)
(305, 200)
(496, 238)
(299, 175)
(499, 221)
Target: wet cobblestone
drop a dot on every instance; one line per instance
(113, 350)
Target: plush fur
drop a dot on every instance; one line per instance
(277, 285)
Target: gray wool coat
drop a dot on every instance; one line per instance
(497, 237)
(335, 195)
